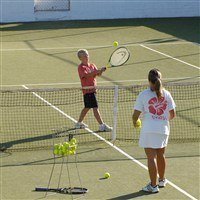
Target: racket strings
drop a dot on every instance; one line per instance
(120, 56)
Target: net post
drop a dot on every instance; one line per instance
(115, 110)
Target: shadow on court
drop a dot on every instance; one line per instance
(189, 32)
(82, 157)
(131, 196)
(160, 59)
(62, 133)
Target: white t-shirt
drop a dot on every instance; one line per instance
(155, 114)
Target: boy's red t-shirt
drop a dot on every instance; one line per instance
(90, 81)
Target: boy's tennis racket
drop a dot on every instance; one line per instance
(119, 57)
(73, 190)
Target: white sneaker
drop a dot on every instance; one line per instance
(162, 183)
(105, 127)
(149, 188)
(80, 125)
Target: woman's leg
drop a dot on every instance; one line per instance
(161, 163)
(152, 165)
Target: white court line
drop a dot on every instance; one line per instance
(89, 47)
(109, 143)
(99, 82)
(164, 54)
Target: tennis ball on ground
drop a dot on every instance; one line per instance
(106, 175)
(115, 43)
(138, 124)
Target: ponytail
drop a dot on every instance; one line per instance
(158, 88)
(155, 78)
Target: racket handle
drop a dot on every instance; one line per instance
(103, 68)
(41, 189)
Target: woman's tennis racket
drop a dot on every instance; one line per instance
(73, 190)
(119, 57)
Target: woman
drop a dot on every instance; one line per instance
(157, 107)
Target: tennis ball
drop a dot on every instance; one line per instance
(138, 124)
(66, 153)
(106, 175)
(73, 148)
(56, 146)
(64, 150)
(73, 140)
(61, 150)
(72, 152)
(56, 151)
(115, 44)
(66, 145)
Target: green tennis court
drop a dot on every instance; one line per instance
(41, 56)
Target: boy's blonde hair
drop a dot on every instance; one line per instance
(82, 52)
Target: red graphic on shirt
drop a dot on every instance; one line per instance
(157, 106)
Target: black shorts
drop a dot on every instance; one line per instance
(90, 100)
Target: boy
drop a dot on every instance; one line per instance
(87, 73)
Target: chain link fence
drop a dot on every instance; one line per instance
(52, 5)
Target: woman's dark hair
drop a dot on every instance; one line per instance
(155, 78)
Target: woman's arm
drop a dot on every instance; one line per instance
(172, 114)
(135, 117)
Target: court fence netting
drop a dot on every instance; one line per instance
(30, 118)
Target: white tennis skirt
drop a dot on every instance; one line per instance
(153, 140)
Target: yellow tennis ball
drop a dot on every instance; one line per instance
(56, 146)
(106, 175)
(73, 148)
(138, 123)
(61, 149)
(73, 140)
(115, 44)
(55, 151)
(66, 145)
(64, 150)
(72, 152)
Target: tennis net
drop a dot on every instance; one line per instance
(30, 118)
